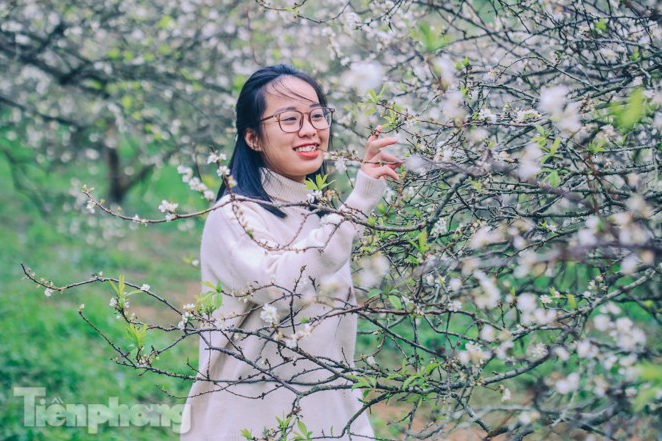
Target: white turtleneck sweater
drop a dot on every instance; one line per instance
(299, 267)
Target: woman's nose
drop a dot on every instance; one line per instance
(307, 128)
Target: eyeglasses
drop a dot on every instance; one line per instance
(291, 121)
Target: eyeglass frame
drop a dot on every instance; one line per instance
(277, 114)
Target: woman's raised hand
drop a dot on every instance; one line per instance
(377, 163)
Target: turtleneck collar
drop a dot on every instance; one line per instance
(282, 189)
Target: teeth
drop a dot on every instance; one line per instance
(308, 148)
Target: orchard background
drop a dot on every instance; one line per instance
(511, 281)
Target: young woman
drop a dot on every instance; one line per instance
(284, 337)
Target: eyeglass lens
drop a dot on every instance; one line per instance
(292, 120)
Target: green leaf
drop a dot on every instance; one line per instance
(246, 434)
(411, 380)
(395, 301)
(597, 146)
(430, 39)
(127, 102)
(429, 368)
(572, 301)
(555, 147)
(554, 179)
(644, 397)
(283, 424)
(651, 372)
(137, 335)
(601, 25)
(629, 114)
(114, 53)
(164, 22)
(374, 292)
(423, 241)
(319, 184)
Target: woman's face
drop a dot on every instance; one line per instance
(298, 154)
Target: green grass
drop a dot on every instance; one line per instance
(45, 343)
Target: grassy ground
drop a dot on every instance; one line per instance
(46, 344)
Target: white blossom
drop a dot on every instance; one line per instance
(416, 164)
(209, 195)
(223, 170)
(485, 236)
(452, 106)
(445, 69)
(216, 157)
(528, 417)
(373, 269)
(487, 115)
(364, 76)
(487, 333)
(561, 353)
(168, 206)
(473, 354)
(455, 305)
(290, 342)
(269, 314)
(455, 284)
(526, 302)
(501, 351)
(490, 295)
(90, 206)
(585, 349)
(526, 115)
(602, 323)
(440, 227)
(553, 99)
(314, 196)
(529, 164)
(341, 165)
(568, 384)
(539, 350)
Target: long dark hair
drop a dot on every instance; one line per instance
(245, 163)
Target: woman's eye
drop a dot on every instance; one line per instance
(289, 119)
(317, 115)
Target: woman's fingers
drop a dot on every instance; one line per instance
(386, 171)
(387, 157)
(383, 158)
(375, 134)
(376, 145)
(377, 163)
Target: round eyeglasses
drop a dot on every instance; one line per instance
(291, 121)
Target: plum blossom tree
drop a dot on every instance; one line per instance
(511, 280)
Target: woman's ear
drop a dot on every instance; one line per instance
(252, 140)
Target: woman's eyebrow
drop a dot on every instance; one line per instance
(282, 109)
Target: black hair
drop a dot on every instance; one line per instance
(246, 163)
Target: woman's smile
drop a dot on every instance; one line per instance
(307, 151)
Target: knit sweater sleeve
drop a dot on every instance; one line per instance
(242, 252)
